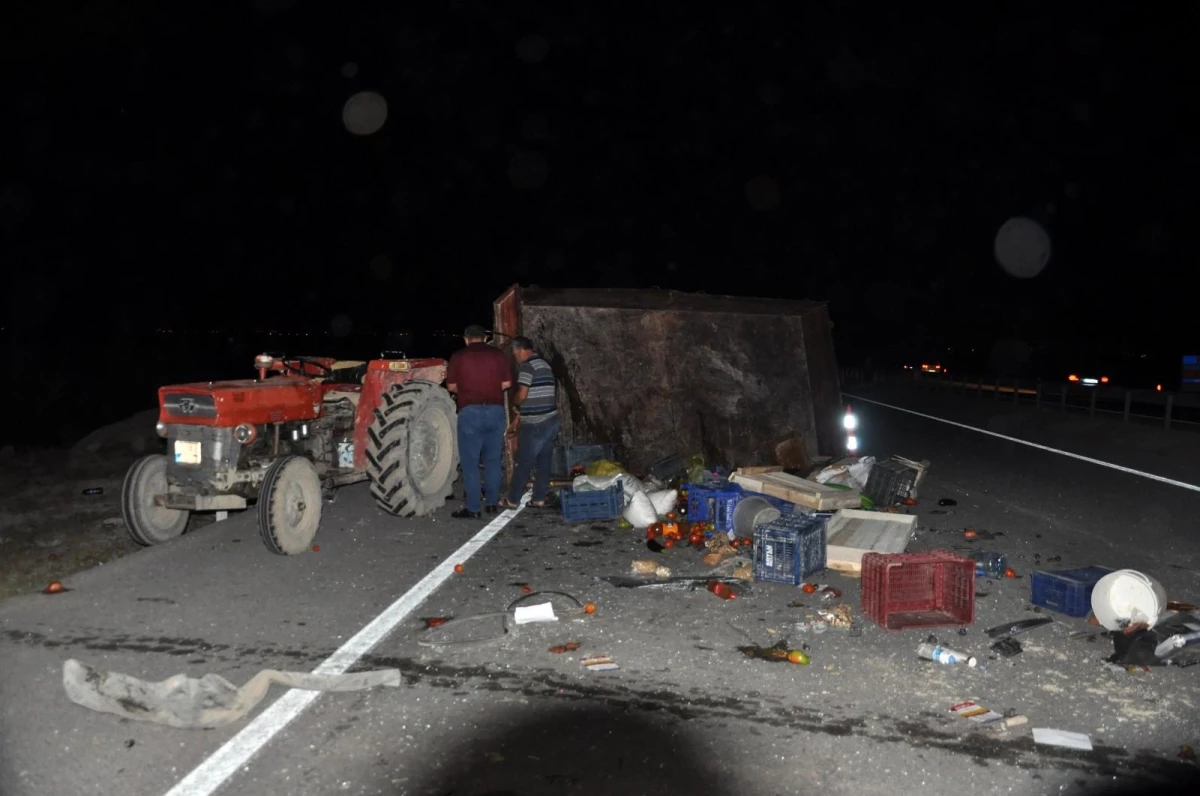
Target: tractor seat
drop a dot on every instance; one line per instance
(347, 372)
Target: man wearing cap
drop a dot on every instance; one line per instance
(478, 375)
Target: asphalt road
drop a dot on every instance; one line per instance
(686, 712)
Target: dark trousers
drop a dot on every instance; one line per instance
(535, 443)
(481, 436)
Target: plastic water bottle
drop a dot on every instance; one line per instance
(990, 565)
(932, 652)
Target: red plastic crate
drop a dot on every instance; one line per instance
(901, 591)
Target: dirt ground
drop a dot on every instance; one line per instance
(50, 527)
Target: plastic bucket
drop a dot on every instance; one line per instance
(750, 512)
(1128, 595)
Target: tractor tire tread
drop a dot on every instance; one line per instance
(387, 450)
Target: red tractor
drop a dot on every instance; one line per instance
(287, 439)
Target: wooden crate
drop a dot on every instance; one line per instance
(798, 490)
(851, 534)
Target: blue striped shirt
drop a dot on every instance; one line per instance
(541, 404)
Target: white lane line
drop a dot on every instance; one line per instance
(1161, 479)
(222, 764)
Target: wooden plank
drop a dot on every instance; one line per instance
(851, 533)
(797, 490)
(770, 468)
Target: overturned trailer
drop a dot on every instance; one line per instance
(741, 380)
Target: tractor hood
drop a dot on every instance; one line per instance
(232, 403)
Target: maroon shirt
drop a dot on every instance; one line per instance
(479, 370)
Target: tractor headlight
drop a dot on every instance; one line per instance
(245, 433)
(850, 422)
(852, 443)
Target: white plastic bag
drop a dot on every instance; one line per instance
(640, 511)
(664, 500)
(589, 483)
(853, 475)
(632, 486)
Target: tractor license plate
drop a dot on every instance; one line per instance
(187, 452)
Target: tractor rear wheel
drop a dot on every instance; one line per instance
(147, 522)
(289, 506)
(412, 449)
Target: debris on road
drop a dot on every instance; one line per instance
(55, 587)
(776, 653)
(1007, 647)
(198, 703)
(542, 612)
(949, 657)
(599, 663)
(1020, 626)
(976, 713)
(570, 646)
(1064, 738)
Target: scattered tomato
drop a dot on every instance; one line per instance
(672, 516)
(969, 533)
(1010, 573)
(54, 587)
(434, 621)
(526, 590)
(669, 542)
(316, 548)
(650, 534)
(809, 588)
(590, 608)
(910, 501)
(798, 656)
(459, 568)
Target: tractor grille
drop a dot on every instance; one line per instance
(184, 404)
(194, 453)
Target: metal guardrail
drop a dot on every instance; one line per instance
(1174, 411)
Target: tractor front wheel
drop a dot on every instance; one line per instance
(289, 506)
(412, 449)
(147, 522)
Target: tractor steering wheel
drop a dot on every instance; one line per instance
(286, 361)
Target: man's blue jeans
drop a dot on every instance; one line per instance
(535, 444)
(481, 435)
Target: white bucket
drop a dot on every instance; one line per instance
(751, 512)
(1127, 595)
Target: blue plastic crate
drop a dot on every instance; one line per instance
(789, 549)
(565, 458)
(709, 504)
(1067, 591)
(593, 504)
(715, 505)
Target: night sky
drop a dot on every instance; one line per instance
(185, 166)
